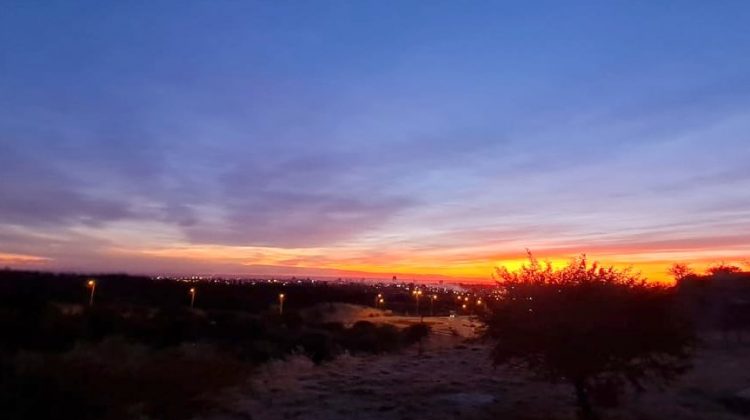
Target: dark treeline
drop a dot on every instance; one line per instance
(717, 300)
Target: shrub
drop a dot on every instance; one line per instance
(364, 336)
(115, 379)
(319, 347)
(415, 333)
(595, 328)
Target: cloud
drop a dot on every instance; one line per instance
(418, 150)
(292, 220)
(243, 194)
(36, 193)
(16, 260)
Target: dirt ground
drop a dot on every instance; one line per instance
(453, 379)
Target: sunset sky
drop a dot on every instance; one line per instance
(387, 137)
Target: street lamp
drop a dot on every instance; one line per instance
(91, 284)
(281, 303)
(417, 295)
(432, 304)
(378, 299)
(192, 297)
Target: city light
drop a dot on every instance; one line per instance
(91, 284)
(417, 294)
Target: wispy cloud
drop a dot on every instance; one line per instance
(264, 135)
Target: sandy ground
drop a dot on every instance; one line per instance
(453, 379)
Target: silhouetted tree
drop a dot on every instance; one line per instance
(680, 270)
(596, 328)
(719, 300)
(723, 268)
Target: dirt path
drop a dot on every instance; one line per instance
(454, 379)
(446, 383)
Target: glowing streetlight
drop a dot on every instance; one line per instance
(381, 301)
(281, 303)
(417, 295)
(192, 297)
(378, 299)
(433, 298)
(91, 284)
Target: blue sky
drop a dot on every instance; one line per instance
(425, 137)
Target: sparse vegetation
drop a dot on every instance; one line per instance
(141, 352)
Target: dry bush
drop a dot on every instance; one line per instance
(116, 379)
(594, 327)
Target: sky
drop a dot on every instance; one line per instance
(410, 138)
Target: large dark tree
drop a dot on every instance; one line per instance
(596, 328)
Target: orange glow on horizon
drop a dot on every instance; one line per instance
(473, 264)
